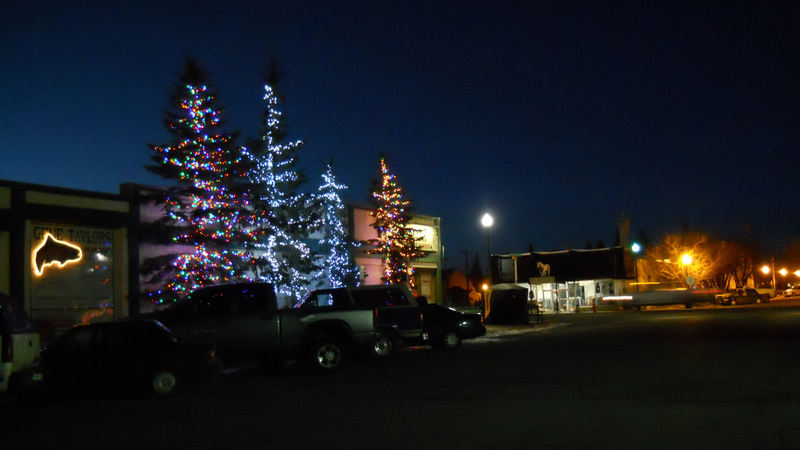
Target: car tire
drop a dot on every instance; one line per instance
(449, 340)
(732, 302)
(382, 347)
(326, 355)
(164, 382)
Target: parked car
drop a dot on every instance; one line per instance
(792, 291)
(448, 327)
(741, 296)
(19, 346)
(247, 326)
(132, 354)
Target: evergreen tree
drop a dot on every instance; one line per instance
(283, 217)
(396, 241)
(338, 267)
(207, 208)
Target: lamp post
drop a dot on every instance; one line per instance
(766, 270)
(487, 221)
(635, 249)
(686, 259)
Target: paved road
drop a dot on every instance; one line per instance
(710, 378)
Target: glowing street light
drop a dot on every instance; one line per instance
(797, 273)
(765, 269)
(783, 272)
(487, 221)
(686, 259)
(635, 249)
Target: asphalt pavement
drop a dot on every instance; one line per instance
(666, 378)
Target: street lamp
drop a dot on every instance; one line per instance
(635, 249)
(766, 269)
(487, 221)
(686, 259)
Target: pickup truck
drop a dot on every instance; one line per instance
(398, 317)
(247, 326)
(741, 296)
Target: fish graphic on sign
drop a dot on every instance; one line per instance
(54, 252)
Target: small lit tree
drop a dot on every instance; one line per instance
(338, 267)
(396, 241)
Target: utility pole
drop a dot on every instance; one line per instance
(466, 268)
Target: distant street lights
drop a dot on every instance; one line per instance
(487, 221)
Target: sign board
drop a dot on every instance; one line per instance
(542, 280)
(72, 267)
(427, 239)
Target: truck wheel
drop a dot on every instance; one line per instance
(326, 355)
(449, 340)
(382, 347)
(164, 382)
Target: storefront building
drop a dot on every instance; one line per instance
(427, 270)
(64, 253)
(569, 279)
(69, 256)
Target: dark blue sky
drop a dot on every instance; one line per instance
(554, 116)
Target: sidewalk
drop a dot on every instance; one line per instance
(495, 331)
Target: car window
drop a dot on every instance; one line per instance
(396, 297)
(112, 338)
(379, 297)
(248, 298)
(369, 297)
(327, 298)
(212, 302)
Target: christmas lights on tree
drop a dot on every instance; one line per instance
(282, 217)
(338, 267)
(208, 210)
(396, 241)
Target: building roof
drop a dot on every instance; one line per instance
(566, 265)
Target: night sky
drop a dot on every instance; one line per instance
(554, 116)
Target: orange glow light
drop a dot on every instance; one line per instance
(54, 261)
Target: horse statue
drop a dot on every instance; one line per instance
(544, 269)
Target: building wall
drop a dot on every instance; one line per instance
(428, 269)
(64, 252)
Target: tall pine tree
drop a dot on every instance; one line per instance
(207, 210)
(283, 216)
(396, 241)
(338, 268)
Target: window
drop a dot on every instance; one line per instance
(374, 298)
(327, 299)
(212, 302)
